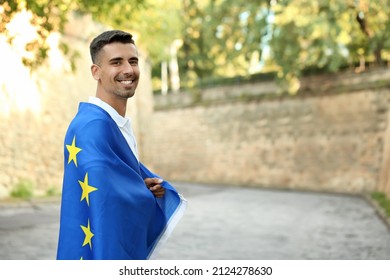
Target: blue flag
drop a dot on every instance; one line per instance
(107, 212)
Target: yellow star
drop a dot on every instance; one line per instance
(87, 189)
(73, 151)
(88, 235)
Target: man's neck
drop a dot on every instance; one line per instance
(118, 104)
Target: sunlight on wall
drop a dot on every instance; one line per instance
(57, 60)
(17, 90)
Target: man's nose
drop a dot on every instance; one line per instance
(128, 68)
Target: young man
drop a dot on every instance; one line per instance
(112, 206)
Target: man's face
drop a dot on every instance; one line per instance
(117, 70)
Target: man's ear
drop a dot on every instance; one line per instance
(95, 70)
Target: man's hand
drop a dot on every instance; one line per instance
(154, 185)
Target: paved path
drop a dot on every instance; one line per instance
(229, 223)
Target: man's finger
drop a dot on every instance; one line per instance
(159, 193)
(155, 187)
(152, 181)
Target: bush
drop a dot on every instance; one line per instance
(24, 189)
(53, 191)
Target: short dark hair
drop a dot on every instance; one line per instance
(108, 37)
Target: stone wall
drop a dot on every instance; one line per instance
(329, 137)
(384, 175)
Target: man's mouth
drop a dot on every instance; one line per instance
(126, 82)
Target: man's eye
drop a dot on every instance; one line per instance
(134, 62)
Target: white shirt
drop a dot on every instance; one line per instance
(124, 124)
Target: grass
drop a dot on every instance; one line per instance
(53, 191)
(383, 201)
(24, 189)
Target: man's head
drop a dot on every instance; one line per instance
(106, 38)
(115, 66)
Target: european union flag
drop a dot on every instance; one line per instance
(107, 212)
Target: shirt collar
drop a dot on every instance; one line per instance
(119, 120)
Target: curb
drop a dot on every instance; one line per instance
(25, 203)
(378, 209)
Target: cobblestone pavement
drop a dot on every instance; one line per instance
(228, 223)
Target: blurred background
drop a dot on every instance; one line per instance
(271, 94)
(265, 94)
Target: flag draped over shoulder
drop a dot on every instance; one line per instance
(107, 212)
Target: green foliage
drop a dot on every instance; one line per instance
(220, 38)
(227, 38)
(51, 16)
(328, 34)
(158, 24)
(24, 189)
(111, 12)
(383, 201)
(53, 191)
(47, 16)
